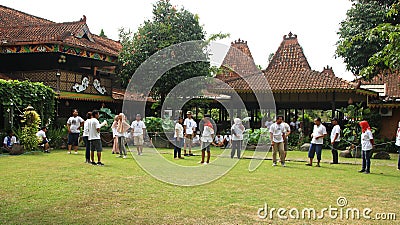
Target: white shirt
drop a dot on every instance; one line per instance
(218, 139)
(179, 130)
(227, 137)
(398, 137)
(268, 124)
(13, 140)
(41, 134)
(93, 125)
(277, 130)
(318, 131)
(366, 140)
(335, 130)
(196, 139)
(86, 129)
(74, 124)
(207, 134)
(138, 127)
(190, 125)
(296, 124)
(237, 132)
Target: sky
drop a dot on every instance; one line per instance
(262, 23)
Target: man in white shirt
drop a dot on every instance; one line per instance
(227, 140)
(189, 126)
(94, 137)
(319, 132)
(139, 129)
(335, 139)
(8, 142)
(74, 124)
(277, 135)
(218, 141)
(41, 134)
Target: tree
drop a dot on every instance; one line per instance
(168, 26)
(361, 44)
(102, 34)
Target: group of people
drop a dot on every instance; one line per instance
(185, 131)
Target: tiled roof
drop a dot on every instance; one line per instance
(119, 94)
(37, 31)
(391, 82)
(231, 66)
(289, 71)
(12, 17)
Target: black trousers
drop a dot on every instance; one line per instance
(335, 154)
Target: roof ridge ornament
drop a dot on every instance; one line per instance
(290, 36)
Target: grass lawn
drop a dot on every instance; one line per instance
(58, 188)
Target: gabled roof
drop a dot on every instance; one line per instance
(238, 60)
(29, 29)
(12, 17)
(391, 82)
(289, 71)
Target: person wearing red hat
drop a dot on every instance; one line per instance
(367, 144)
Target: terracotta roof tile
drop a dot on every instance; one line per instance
(391, 81)
(36, 30)
(288, 71)
(11, 17)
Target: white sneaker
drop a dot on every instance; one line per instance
(283, 164)
(76, 153)
(273, 164)
(124, 157)
(205, 163)
(118, 156)
(68, 153)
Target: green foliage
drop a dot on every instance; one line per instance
(56, 136)
(20, 94)
(105, 114)
(369, 37)
(168, 26)
(153, 124)
(258, 136)
(31, 124)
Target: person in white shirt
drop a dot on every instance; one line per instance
(398, 145)
(189, 126)
(367, 144)
(85, 136)
(335, 139)
(319, 132)
(139, 129)
(178, 136)
(227, 140)
(41, 134)
(74, 124)
(8, 142)
(277, 135)
(218, 141)
(295, 125)
(237, 130)
(122, 128)
(115, 138)
(268, 123)
(94, 137)
(206, 140)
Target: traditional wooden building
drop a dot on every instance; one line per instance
(77, 64)
(294, 84)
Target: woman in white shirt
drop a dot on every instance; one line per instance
(115, 138)
(237, 137)
(178, 136)
(367, 143)
(398, 145)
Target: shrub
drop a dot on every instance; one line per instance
(31, 123)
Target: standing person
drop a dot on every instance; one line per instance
(85, 136)
(178, 135)
(237, 137)
(367, 143)
(122, 128)
(319, 132)
(268, 123)
(8, 142)
(74, 124)
(286, 131)
(115, 138)
(398, 145)
(41, 134)
(189, 126)
(94, 137)
(335, 139)
(139, 129)
(206, 140)
(277, 135)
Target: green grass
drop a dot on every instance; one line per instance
(58, 188)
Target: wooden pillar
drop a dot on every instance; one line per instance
(333, 104)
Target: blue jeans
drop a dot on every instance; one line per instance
(366, 160)
(315, 148)
(178, 148)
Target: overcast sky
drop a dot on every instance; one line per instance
(260, 22)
